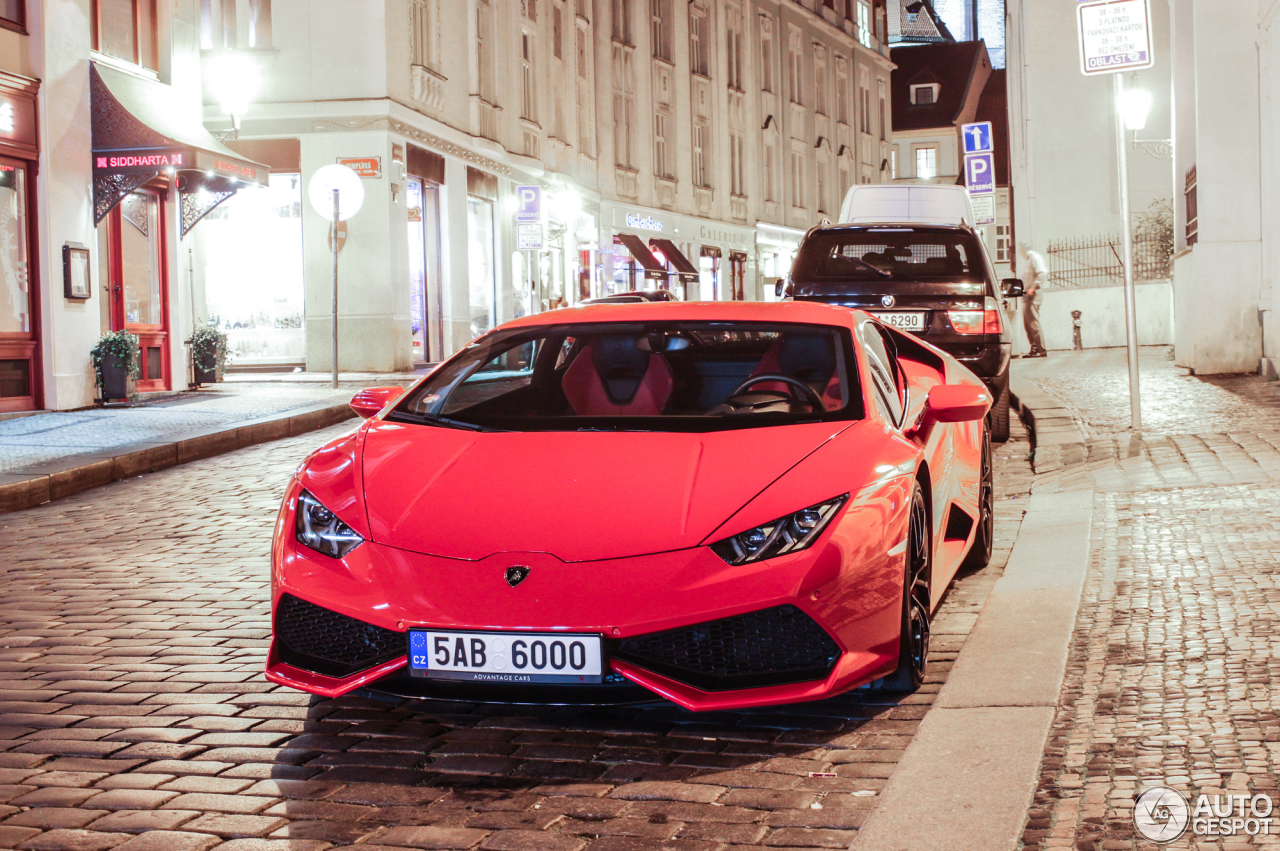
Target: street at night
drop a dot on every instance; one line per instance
(639, 425)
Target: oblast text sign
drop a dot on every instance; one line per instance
(1115, 35)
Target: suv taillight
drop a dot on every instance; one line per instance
(985, 321)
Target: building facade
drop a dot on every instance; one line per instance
(678, 144)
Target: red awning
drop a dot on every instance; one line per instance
(688, 273)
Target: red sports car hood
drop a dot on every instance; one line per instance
(580, 496)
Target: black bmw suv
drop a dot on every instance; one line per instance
(933, 280)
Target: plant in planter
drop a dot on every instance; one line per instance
(115, 361)
(209, 353)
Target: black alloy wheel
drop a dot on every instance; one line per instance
(984, 539)
(998, 418)
(913, 643)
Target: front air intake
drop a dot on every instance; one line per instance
(765, 648)
(316, 639)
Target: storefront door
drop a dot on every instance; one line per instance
(738, 275)
(17, 328)
(139, 283)
(426, 310)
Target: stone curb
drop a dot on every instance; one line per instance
(968, 778)
(62, 477)
(1055, 434)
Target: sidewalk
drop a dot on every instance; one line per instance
(49, 455)
(1168, 679)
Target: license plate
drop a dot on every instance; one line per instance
(909, 321)
(505, 657)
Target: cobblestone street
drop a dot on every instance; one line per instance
(134, 713)
(1169, 676)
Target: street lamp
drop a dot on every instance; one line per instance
(1135, 104)
(234, 80)
(336, 193)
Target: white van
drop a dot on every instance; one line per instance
(907, 202)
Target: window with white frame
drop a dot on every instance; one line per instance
(924, 94)
(586, 114)
(559, 127)
(484, 52)
(621, 130)
(528, 78)
(663, 122)
(766, 53)
(795, 67)
(424, 33)
(884, 111)
(733, 44)
(622, 21)
(893, 163)
(660, 17)
(864, 24)
(797, 179)
(701, 137)
(737, 169)
(770, 173)
(1003, 254)
(842, 90)
(699, 41)
(926, 163)
(820, 79)
(864, 99)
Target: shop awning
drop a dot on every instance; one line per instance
(653, 270)
(140, 130)
(688, 273)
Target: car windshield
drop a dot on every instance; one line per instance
(887, 254)
(651, 376)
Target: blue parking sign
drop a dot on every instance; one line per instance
(980, 173)
(977, 137)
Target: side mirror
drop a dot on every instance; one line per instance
(1011, 287)
(370, 401)
(779, 287)
(957, 403)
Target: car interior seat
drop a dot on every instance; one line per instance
(611, 376)
(804, 356)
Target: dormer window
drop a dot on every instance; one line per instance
(923, 95)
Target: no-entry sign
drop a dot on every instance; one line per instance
(1115, 35)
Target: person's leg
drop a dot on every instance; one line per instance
(1031, 320)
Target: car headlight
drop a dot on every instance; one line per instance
(320, 529)
(788, 534)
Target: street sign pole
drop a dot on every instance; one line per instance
(1115, 36)
(1130, 301)
(336, 208)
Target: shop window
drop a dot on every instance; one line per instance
(15, 378)
(13, 12)
(15, 274)
(126, 29)
(252, 262)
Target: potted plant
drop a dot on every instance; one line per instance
(208, 353)
(115, 361)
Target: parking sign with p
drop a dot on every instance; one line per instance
(980, 173)
(528, 203)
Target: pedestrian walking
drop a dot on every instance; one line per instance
(1034, 274)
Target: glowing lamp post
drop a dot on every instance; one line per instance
(234, 80)
(336, 193)
(1132, 106)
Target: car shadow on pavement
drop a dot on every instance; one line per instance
(383, 771)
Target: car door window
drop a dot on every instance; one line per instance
(883, 367)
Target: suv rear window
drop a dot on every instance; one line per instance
(888, 253)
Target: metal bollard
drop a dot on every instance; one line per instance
(1076, 342)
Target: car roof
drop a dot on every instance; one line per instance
(811, 313)
(921, 226)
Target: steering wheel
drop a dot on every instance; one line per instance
(806, 396)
